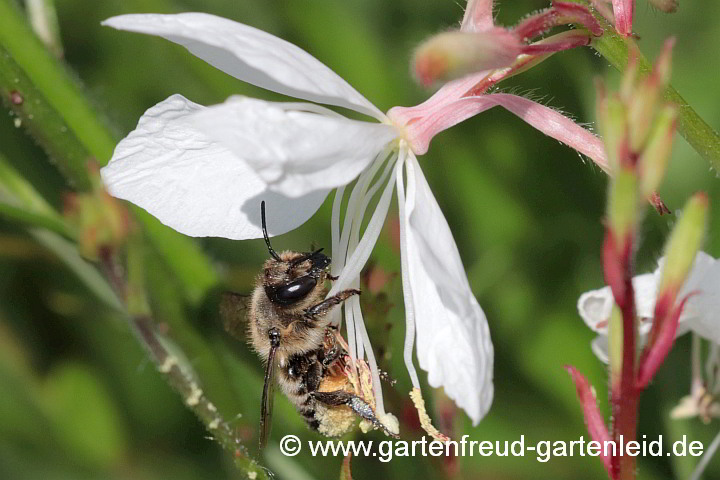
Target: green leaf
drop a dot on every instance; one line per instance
(19, 201)
(182, 255)
(86, 272)
(84, 416)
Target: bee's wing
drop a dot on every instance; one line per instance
(234, 308)
(267, 398)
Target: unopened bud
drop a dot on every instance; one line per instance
(641, 112)
(630, 75)
(613, 119)
(102, 222)
(663, 63)
(685, 241)
(454, 54)
(623, 205)
(667, 6)
(646, 98)
(624, 11)
(654, 158)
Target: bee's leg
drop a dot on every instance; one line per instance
(331, 355)
(328, 303)
(361, 408)
(331, 351)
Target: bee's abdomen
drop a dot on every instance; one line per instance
(298, 379)
(308, 413)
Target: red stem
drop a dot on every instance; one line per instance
(625, 396)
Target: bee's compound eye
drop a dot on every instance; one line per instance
(293, 291)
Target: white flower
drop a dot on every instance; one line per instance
(204, 171)
(701, 313)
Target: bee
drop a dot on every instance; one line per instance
(289, 327)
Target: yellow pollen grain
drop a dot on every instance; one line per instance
(425, 421)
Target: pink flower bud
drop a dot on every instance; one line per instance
(455, 54)
(623, 10)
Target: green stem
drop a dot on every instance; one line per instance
(170, 366)
(35, 73)
(196, 400)
(702, 137)
(49, 102)
(67, 252)
(20, 202)
(33, 219)
(33, 112)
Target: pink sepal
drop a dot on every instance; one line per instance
(593, 418)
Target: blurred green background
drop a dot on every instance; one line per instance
(79, 399)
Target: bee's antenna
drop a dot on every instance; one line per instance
(265, 234)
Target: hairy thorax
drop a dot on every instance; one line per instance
(299, 335)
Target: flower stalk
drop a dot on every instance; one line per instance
(170, 366)
(616, 48)
(638, 129)
(48, 101)
(617, 258)
(481, 46)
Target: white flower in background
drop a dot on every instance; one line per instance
(704, 389)
(204, 171)
(700, 315)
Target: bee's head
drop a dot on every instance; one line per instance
(290, 277)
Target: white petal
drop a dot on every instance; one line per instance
(251, 55)
(702, 265)
(294, 151)
(595, 306)
(600, 345)
(600, 348)
(702, 312)
(453, 339)
(704, 308)
(645, 293)
(194, 185)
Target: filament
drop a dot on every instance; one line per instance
(361, 254)
(404, 264)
